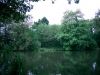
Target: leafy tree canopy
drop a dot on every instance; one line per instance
(14, 9)
(44, 20)
(97, 21)
(76, 38)
(72, 17)
(96, 27)
(75, 33)
(23, 38)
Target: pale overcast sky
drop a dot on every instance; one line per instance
(54, 12)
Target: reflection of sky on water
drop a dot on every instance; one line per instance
(94, 65)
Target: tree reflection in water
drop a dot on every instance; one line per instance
(63, 63)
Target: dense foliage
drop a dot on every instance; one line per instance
(14, 9)
(41, 21)
(75, 33)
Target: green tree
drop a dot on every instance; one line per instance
(20, 37)
(53, 41)
(47, 35)
(96, 26)
(23, 37)
(44, 21)
(76, 34)
(42, 31)
(14, 9)
(72, 17)
(34, 43)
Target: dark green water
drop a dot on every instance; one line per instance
(64, 63)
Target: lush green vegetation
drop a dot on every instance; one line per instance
(44, 49)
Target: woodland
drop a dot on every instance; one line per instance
(71, 48)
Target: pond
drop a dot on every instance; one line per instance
(59, 62)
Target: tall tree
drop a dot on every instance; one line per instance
(14, 9)
(76, 35)
(44, 21)
(47, 35)
(96, 27)
(23, 37)
(73, 17)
